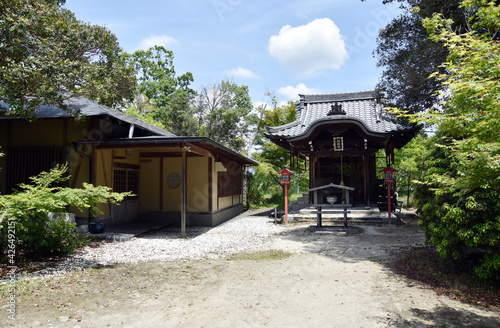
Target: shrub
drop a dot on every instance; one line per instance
(458, 219)
(37, 235)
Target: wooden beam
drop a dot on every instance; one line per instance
(201, 151)
(126, 166)
(346, 152)
(168, 154)
(160, 154)
(138, 146)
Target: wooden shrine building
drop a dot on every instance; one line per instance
(175, 179)
(341, 134)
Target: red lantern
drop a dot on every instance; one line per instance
(389, 178)
(285, 179)
(285, 175)
(389, 174)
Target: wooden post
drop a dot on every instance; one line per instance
(318, 217)
(389, 201)
(312, 178)
(184, 193)
(345, 216)
(286, 203)
(342, 171)
(342, 178)
(367, 180)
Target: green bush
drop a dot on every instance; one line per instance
(25, 225)
(456, 219)
(39, 236)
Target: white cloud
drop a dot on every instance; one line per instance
(242, 72)
(309, 48)
(157, 40)
(292, 93)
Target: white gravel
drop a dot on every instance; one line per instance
(243, 233)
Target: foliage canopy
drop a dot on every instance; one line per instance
(162, 97)
(224, 112)
(264, 179)
(459, 195)
(47, 56)
(409, 57)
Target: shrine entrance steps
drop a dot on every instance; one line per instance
(357, 215)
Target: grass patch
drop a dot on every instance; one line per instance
(454, 278)
(267, 255)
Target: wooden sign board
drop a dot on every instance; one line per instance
(338, 144)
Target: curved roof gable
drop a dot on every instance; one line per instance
(356, 107)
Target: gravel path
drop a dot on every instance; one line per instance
(243, 233)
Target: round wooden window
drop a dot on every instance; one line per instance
(173, 180)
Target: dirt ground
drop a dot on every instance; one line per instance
(327, 281)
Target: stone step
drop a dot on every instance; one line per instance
(359, 215)
(355, 211)
(302, 200)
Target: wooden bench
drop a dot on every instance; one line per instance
(320, 210)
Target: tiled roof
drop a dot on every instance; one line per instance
(359, 107)
(88, 107)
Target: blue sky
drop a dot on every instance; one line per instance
(286, 47)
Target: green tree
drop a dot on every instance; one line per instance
(169, 96)
(408, 161)
(272, 159)
(408, 57)
(459, 196)
(48, 56)
(224, 112)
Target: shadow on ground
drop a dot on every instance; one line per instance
(445, 317)
(372, 243)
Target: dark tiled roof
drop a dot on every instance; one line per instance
(359, 107)
(91, 108)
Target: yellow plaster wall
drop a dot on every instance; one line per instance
(134, 158)
(44, 132)
(225, 202)
(214, 184)
(149, 186)
(80, 172)
(104, 174)
(78, 129)
(197, 184)
(171, 197)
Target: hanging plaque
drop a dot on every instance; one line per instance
(338, 144)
